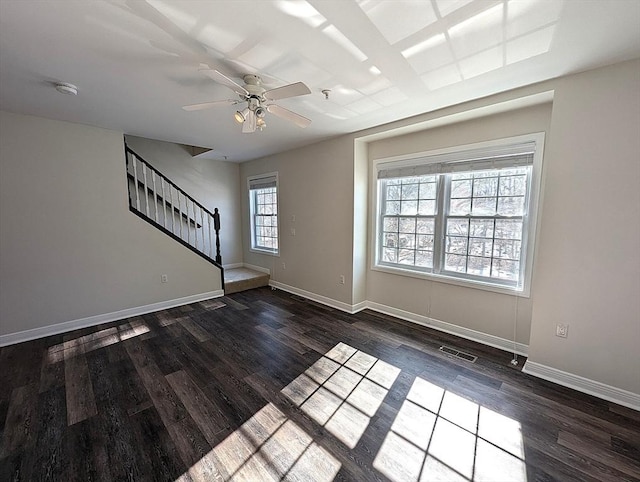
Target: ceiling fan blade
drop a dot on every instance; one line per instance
(224, 80)
(286, 114)
(249, 125)
(291, 90)
(208, 105)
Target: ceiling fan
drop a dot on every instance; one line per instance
(259, 100)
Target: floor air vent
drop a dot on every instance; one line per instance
(458, 354)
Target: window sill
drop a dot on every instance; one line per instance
(265, 251)
(505, 290)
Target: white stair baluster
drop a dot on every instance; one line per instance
(173, 210)
(135, 181)
(204, 246)
(146, 191)
(195, 225)
(179, 214)
(164, 204)
(188, 222)
(155, 193)
(210, 241)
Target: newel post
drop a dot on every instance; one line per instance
(216, 227)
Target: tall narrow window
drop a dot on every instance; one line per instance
(263, 202)
(466, 215)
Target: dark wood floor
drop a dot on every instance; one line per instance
(261, 385)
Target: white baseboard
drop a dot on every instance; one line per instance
(233, 265)
(26, 335)
(340, 305)
(257, 268)
(469, 334)
(585, 385)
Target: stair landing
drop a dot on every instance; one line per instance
(242, 279)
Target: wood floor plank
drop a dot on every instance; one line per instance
(164, 399)
(196, 331)
(20, 420)
(79, 389)
(209, 418)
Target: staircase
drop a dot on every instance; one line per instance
(160, 202)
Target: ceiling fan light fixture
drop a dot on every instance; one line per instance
(241, 116)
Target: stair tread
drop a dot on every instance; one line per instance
(241, 279)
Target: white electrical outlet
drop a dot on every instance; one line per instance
(293, 231)
(164, 278)
(284, 265)
(562, 330)
(341, 279)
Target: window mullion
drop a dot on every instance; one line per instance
(443, 188)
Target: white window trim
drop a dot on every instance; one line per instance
(269, 252)
(436, 156)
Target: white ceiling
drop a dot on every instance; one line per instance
(135, 62)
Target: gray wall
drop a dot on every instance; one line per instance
(69, 247)
(214, 184)
(586, 267)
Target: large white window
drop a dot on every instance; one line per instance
(263, 205)
(464, 215)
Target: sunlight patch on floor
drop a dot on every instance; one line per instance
(342, 391)
(268, 446)
(438, 435)
(94, 341)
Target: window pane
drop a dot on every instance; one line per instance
(428, 190)
(513, 185)
(479, 266)
(460, 206)
(454, 262)
(409, 191)
(407, 240)
(482, 228)
(390, 224)
(390, 255)
(508, 228)
(456, 245)
(484, 206)
(507, 270)
(426, 226)
(409, 207)
(459, 227)
(393, 193)
(461, 188)
(481, 247)
(392, 207)
(390, 240)
(427, 208)
(424, 259)
(511, 206)
(425, 241)
(506, 248)
(485, 187)
(406, 256)
(407, 225)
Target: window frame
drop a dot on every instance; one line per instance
(254, 247)
(530, 217)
